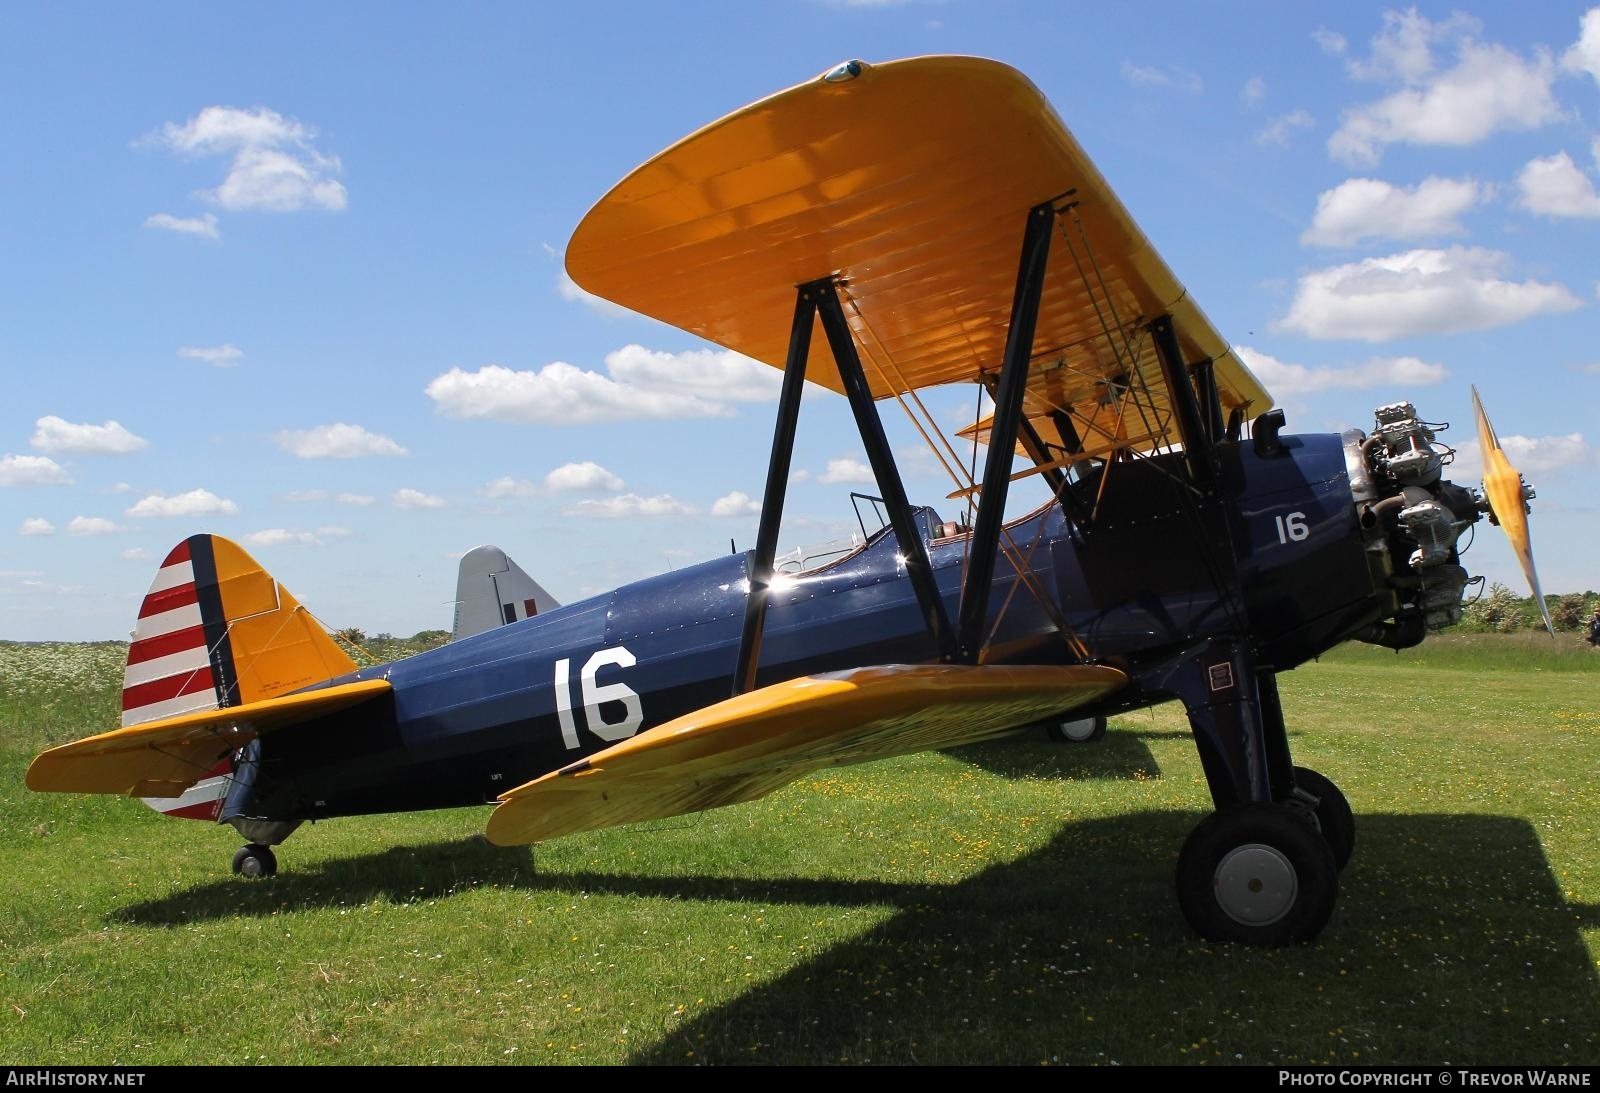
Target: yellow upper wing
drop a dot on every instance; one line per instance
(746, 747)
(910, 184)
(163, 758)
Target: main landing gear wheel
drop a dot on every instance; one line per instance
(1334, 818)
(1084, 731)
(1257, 874)
(255, 860)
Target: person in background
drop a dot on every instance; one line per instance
(1594, 629)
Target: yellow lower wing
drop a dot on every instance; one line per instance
(746, 747)
(163, 758)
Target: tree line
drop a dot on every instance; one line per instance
(1499, 610)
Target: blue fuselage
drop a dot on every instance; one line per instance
(1146, 574)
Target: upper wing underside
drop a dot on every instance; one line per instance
(909, 185)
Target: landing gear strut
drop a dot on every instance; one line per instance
(1264, 868)
(255, 860)
(1330, 812)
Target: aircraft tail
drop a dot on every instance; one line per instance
(492, 590)
(216, 630)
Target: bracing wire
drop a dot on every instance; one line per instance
(1007, 544)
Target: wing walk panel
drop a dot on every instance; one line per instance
(746, 747)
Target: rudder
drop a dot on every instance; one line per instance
(217, 630)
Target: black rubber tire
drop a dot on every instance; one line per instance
(255, 860)
(1059, 731)
(1334, 818)
(1266, 849)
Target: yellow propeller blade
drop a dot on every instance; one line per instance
(1502, 485)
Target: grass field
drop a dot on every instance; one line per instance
(1008, 903)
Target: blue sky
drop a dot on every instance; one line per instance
(307, 260)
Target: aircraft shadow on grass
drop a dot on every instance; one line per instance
(1452, 939)
(1121, 754)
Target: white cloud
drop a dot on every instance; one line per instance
(336, 441)
(221, 356)
(717, 375)
(1152, 76)
(46, 588)
(204, 225)
(122, 487)
(271, 537)
(1555, 186)
(54, 434)
(302, 496)
(506, 486)
(1489, 89)
(1288, 381)
(800, 475)
(136, 554)
(197, 502)
(582, 477)
(91, 525)
(1253, 91)
(275, 166)
(1403, 49)
(32, 470)
(1544, 454)
(846, 470)
(1369, 208)
(1584, 56)
(408, 498)
(333, 531)
(1532, 455)
(631, 505)
(557, 394)
(1332, 42)
(1418, 292)
(1279, 130)
(36, 525)
(277, 181)
(737, 503)
(572, 292)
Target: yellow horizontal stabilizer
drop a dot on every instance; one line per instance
(746, 747)
(163, 758)
(910, 184)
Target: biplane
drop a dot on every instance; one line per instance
(879, 230)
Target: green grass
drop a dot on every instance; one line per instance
(1003, 903)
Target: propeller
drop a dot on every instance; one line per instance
(1507, 497)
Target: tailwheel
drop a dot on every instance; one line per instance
(1332, 813)
(1084, 731)
(1257, 874)
(255, 860)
